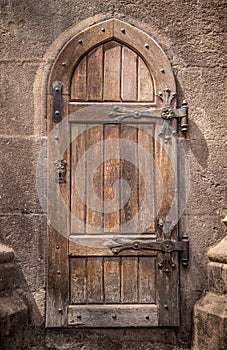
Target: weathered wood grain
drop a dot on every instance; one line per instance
(113, 315)
(112, 280)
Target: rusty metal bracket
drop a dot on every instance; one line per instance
(167, 113)
(57, 101)
(166, 246)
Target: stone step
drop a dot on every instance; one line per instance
(7, 268)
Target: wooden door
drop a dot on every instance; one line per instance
(113, 237)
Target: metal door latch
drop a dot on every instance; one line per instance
(57, 101)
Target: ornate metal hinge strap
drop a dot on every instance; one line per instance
(57, 101)
(167, 114)
(165, 246)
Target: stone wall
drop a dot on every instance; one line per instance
(191, 32)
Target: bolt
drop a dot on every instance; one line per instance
(57, 112)
(115, 251)
(56, 137)
(60, 310)
(57, 89)
(136, 245)
(63, 64)
(166, 306)
(146, 46)
(80, 41)
(103, 29)
(147, 317)
(123, 30)
(57, 246)
(162, 70)
(58, 272)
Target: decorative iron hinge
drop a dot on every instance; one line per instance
(167, 114)
(60, 171)
(57, 101)
(165, 244)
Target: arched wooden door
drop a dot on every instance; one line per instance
(113, 245)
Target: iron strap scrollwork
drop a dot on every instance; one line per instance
(167, 114)
(165, 244)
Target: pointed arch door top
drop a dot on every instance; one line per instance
(123, 33)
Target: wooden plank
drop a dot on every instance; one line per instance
(145, 83)
(146, 179)
(95, 74)
(78, 200)
(165, 177)
(113, 315)
(112, 71)
(129, 75)
(58, 224)
(147, 272)
(130, 175)
(167, 294)
(95, 280)
(129, 280)
(112, 280)
(111, 176)
(94, 175)
(79, 82)
(78, 280)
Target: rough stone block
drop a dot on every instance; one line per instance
(217, 277)
(17, 112)
(210, 323)
(18, 188)
(13, 323)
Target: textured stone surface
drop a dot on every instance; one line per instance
(192, 35)
(219, 252)
(210, 319)
(13, 323)
(217, 277)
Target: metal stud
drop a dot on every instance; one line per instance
(63, 64)
(60, 310)
(80, 41)
(114, 317)
(147, 317)
(58, 272)
(78, 317)
(103, 29)
(123, 30)
(146, 46)
(166, 306)
(162, 70)
(57, 246)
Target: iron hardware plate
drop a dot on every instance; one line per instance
(60, 171)
(57, 101)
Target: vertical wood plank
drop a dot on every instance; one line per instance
(112, 71)
(130, 174)
(95, 74)
(145, 83)
(78, 209)
(129, 280)
(146, 179)
(94, 156)
(95, 280)
(79, 82)
(78, 280)
(147, 280)
(112, 280)
(111, 175)
(58, 224)
(129, 75)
